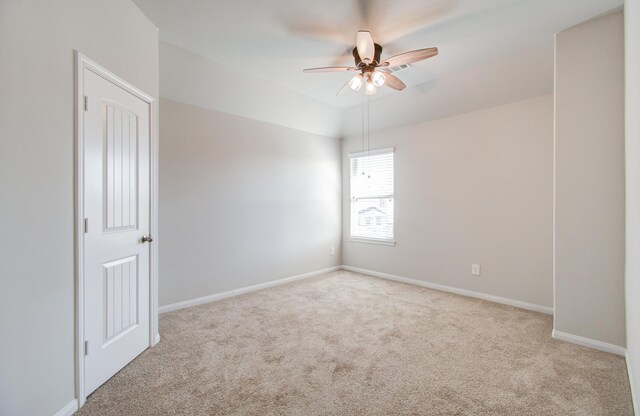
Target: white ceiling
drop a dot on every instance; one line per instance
(276, 39)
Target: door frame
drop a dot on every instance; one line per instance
(82, 63)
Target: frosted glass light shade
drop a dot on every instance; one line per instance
(371, 89)
(356, 82)
(378, 79)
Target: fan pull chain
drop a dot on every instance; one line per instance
(362, 130)
(368, 139)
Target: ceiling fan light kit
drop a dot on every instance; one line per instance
(356, 82)
(378, 78)
(371, 89)
(367, 56)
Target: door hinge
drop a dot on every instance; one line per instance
(86, 348)
(86, 225)
(85, 103)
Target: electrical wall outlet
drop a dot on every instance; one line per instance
(475, 269)
(332, 251)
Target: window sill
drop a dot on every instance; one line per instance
(372, 241)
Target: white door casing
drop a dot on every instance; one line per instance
(116, 180)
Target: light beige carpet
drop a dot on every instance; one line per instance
(348, 344)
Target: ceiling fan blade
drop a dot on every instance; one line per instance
(364, 45)
(331, 69)
(394, 82)
(410, 57)
(343, 88)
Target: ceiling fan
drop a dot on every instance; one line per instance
(371, 69)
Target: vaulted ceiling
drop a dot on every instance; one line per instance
(275, 39)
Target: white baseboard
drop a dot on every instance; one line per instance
(464, 292)
(69, 409)
(157, 338)
(236, 292)
(634, 397)
(588, 342)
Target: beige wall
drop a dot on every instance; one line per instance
(474, 188)
(242, 202)
(589, 181)
(37, 39)
(632, 133)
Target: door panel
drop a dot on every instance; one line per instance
(120, 166)
(116, 205)
(120, 296)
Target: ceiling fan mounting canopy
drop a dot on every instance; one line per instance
(376, 56)
(367, 56)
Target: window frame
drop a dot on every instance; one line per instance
(371, 240)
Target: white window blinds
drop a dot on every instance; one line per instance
(372, 194)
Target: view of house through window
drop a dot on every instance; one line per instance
(372, 194)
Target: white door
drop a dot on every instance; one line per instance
(116, 208)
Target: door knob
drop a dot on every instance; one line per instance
(147, 239)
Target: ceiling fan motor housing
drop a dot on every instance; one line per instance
(376, 57)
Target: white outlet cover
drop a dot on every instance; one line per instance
(475, 269)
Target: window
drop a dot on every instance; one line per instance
(371, 175)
